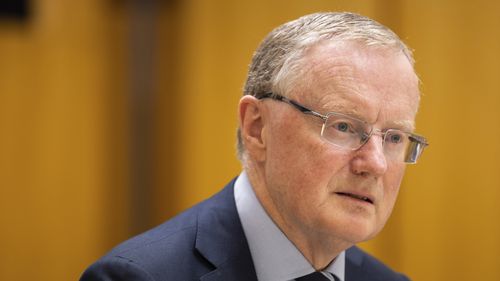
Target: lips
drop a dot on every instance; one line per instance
(356, 196)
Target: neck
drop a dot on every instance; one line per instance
(320, 249)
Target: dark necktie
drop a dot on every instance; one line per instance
(315, 276)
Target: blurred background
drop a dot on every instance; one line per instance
(116, 115)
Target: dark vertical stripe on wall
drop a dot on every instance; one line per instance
(142, 18)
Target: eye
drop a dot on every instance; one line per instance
(342, 126)
(395, 137)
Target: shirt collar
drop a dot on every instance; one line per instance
(274, 256)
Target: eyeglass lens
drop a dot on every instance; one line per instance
(348, 132)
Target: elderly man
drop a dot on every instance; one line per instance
(326, 129)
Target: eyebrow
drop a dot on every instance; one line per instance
(342, 109)
(404, 125)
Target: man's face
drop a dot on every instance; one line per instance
(312, 185)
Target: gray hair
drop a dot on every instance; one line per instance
(276, 64)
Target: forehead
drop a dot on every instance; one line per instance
(374, 84)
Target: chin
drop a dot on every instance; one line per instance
(355, 231)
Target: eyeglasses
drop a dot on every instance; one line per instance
(351, 133)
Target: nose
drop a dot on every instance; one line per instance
(370, 159)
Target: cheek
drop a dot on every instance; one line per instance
(392, 183)
(292, 162)
(301, 156)
(302, 167)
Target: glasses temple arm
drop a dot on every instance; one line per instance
(298, 106)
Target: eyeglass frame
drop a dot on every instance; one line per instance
(414, 138)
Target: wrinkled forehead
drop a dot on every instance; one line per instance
(351, 54)
(347, 61)
(364, 81)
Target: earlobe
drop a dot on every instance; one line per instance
(252, 127)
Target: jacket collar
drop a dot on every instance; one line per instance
(361, 266)
(221, 240)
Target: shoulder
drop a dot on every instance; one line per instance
(166, 252)
(163, 251)
(362, 266)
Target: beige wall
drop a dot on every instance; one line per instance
(63, 191)
(66, 152)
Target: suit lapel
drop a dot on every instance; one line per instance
(359, 267)
(221, 240)
(353, 269)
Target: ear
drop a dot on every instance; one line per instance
(252, 127)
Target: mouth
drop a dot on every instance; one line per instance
(356, 196)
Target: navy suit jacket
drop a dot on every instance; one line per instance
(206, 243)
